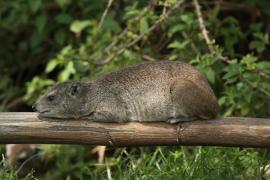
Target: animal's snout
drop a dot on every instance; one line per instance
(34, 107)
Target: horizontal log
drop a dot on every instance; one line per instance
(17, 128)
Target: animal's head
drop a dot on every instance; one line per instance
(64, 100)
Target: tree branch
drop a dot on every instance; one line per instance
(235, 131)
(202, 26)
(100, 24)
(205, 32)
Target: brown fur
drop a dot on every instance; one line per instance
(154, 91)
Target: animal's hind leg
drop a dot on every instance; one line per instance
(192, 101)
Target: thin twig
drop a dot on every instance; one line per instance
(205, 32)
(104, 14)
(231, 6)
(28, 160)
(115, 41)
(202, 26)
(14, 102)
(265, 92)
(148, 58)
(187, 37)
(152, 28)
(263, 74)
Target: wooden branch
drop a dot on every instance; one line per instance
(19, 128)
(100, 24)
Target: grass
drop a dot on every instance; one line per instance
(73, 162)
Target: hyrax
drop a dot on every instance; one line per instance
(154, 91)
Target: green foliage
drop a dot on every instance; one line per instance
(9, 173)
(190, 163)
(44, 42)
(260, 42)
(157, 163)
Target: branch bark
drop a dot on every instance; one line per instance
(19, 128)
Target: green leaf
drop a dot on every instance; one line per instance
(245, 110)
(111, 24)
(51, 65)
(249, 61)
(178, 45)
(36, 39)
(64, 18)
(210, 74)
(35, 5)
(232, 70)
(63, 3)
(263, 65)
(143, 25)
(35, 87)
(175, 29)
(78, 26)
(66, 49)
(187, 18)
(222, 100)
(257, 45)
(67, 72)
(40, 22)
(5, 80)
(60, 36)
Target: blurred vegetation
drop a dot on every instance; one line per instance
(44, 42)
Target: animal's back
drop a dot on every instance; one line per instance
(144, 90)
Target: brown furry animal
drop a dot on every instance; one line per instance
(156, 91)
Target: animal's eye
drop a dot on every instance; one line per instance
(74, 90)
(51, 98)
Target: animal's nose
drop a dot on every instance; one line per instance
(34, 107)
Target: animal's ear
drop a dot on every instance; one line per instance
(74, 89)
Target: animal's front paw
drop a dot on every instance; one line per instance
(180, 119)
